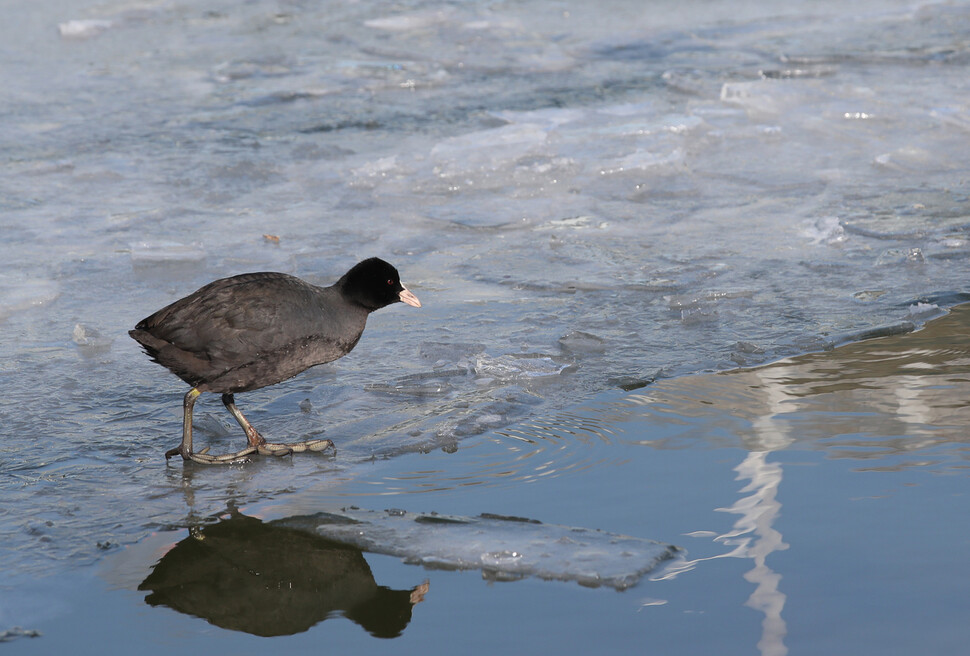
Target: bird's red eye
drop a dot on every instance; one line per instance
(390, 282)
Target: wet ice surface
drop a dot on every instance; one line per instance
(503, 548)
(583, 201)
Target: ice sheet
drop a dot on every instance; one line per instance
(583, 201)
(503, 548)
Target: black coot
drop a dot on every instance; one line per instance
(257, 329)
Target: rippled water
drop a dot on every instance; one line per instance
(591, 204)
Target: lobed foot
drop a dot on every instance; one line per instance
(267, 449)
(203, 458)
(317, 446)
(257, 444)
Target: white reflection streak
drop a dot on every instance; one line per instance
(752, 535)
(758, 512)
(912, 408)
(761, 508)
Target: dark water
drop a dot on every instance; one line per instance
(821, 501)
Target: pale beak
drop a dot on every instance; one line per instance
(407, 297)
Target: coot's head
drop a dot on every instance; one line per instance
(374, 284)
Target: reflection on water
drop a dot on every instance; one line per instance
(753, 536)
(876, 400)
(881, 400)
(756, 539)
(268, 580)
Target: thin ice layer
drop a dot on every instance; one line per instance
(504, 548)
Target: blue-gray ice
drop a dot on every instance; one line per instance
(504, 548)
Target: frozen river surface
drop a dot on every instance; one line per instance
(584, 197)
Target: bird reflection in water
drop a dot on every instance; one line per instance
(248, 575)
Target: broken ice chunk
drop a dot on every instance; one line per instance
(450, 351)
(925, 311)
(894, 256)
(580, 342)
(824, 230)
(18, 632)
(906, 159)
(869, 295)
(762, 97)
(503, 548)
(211, 425)
(746, 353)
(90, 341)
(509, 367)
(691, 82)
(694, 316)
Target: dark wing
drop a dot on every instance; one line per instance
(250, 331)
(233, 320)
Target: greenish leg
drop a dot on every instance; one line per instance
(257, 442)
(185, 448)
(255, 439)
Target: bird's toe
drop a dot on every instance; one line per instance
(269, 449)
